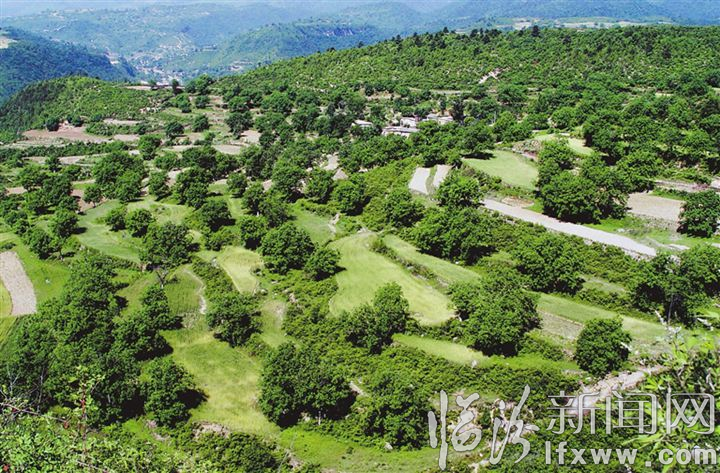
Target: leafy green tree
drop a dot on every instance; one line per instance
(372, 326)
(477, 139)
(191, 187)
(115, 219)
(700, 214)
(641, 167)
(554, 157)
(165, 247)
(169, 392)
(234, 317)
(602, 346)
(464, 235)
(274, 208)
(63, 224)
(550, 262)
(251, 230)
(148, 146)
(296, 380)
(237, 183)
(239, 122)
(182, 102)
(322, 263)
(41, 243)
(200, 123)
(286, 247)
(253, 196)
(173, 129)
(286, 178)
(349, 196)
(214, 214)
(459, 191)
(158, 185)
(500, 313)
(400, 209)
(319, 186)
(571, 198)
(396, 412)
(93, 194)
(138, 221)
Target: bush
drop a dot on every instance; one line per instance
(602, 346)
(115, 219)
(322, 263)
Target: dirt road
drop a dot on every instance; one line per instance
(17, 283)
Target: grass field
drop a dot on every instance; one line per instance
(340, 455)
(228, 377)
(645, 232)
(642, 331)
(454, 352)
(576, 144)
(5, 301)
(272, 314)
(239, 264)
(444, 270)
(184, 291)
(47, 276)
(365, 271)
(317, 226)
(514, 169)
(99, 237)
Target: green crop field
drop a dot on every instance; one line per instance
(514, 169)
(365, 271)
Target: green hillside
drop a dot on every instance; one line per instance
(27, 58)
(631, 56)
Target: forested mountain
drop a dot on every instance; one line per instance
(26, 58)
(185, 40)
(633, 55)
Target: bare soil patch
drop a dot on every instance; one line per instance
(65, 133)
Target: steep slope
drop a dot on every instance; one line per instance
(26, 58)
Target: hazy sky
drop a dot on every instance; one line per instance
(26, 7)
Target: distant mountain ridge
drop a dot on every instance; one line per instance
(26, 58)
(184, 40)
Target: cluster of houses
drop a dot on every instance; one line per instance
(407, 125)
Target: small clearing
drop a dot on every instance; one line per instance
(653, 206)
(17, 284)
(512, 168)
(65, 133)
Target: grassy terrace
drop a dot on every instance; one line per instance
(562, 318)
(365, 271)
(514, 169)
